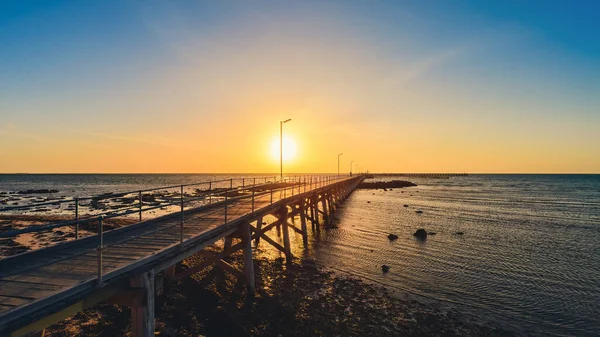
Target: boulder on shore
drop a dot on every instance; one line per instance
(419, 212)
(420, 234)
(385, 184)
(385, 268)
(392, 237)
(42, 191)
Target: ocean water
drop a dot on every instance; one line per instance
(528, 259)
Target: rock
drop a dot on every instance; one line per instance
(459, 233)
(368, 202)
(385, 184)
(392, 237)
(405, 205)
(385, 189)
(168, 331)
(419, 212)
(431, 233)
(420, 234)
(42, 191)
(385, 268)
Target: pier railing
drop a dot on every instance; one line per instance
(215, 196)
(175, 198)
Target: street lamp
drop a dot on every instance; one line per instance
(339, 155)
(281, 146)
(351, 163)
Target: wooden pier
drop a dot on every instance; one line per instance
(127, 266)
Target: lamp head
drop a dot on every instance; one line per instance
(287, 120)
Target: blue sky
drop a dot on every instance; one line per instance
(487, 86)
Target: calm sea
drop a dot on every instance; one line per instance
(528, 258)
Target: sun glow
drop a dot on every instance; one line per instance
(289, 149)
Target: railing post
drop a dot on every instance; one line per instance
(210, 192)
(140, 204)
(243, 182)
(76, 218)
(252, 200)
(100, 248)
(272, 193)
(182, 218)
(226, 200)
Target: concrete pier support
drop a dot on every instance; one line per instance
(286, 234)
(248, 261)
(142, 317)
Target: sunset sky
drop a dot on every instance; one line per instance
(397, 86)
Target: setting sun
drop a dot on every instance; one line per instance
(289, 149)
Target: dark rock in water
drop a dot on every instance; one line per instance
(459, 233)
(431, 233)
(42, 191)
(405, 205)
(392, 237)
(371, 250)
(419, 212)
(385, 268)
(385, 184)
(420, 234)
(368, 202)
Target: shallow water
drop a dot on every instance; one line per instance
(529, 258)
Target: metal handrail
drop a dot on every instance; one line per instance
(139, 206)
(297, 182)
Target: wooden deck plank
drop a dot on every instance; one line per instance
(13, 301)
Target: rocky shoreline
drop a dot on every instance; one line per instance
(300, 299)
(373, 185)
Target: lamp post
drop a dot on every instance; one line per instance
(351, 163)
(281, 146)
(339, 155)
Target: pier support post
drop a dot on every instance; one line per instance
(286, 234)
(303, 224)
(142, 318)
(248, 262)
(259, 224)
(315, 208)
(324, 204)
